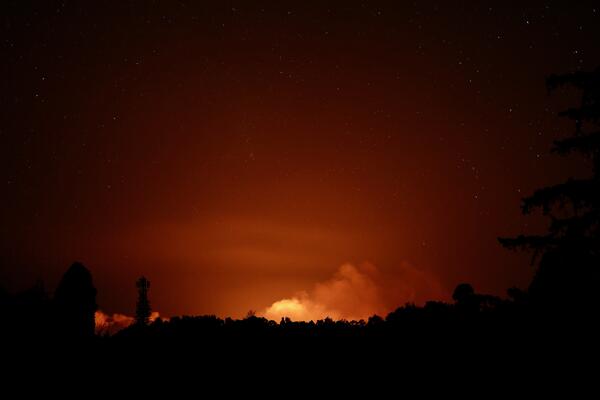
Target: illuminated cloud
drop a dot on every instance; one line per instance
(357, 293)
(111, 324)
(298, 308)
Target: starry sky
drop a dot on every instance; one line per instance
(240, 153)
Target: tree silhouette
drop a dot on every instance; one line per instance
(463, 292)
(142, 310)
(75, 302)
(568, 270)
(465, 298)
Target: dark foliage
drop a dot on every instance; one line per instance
(568, 273)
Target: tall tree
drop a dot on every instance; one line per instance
(75, 302)
(143, 310)
(568, 272)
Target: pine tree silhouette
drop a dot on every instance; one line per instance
(143, 310)
(568, 272)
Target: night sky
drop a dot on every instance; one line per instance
(346, 156)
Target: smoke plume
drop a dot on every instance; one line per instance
(355, 293)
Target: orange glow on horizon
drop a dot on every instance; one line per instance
(252, 160)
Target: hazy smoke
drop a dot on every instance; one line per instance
(357, 293)
(111, 324)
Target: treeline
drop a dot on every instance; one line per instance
(33, 314)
